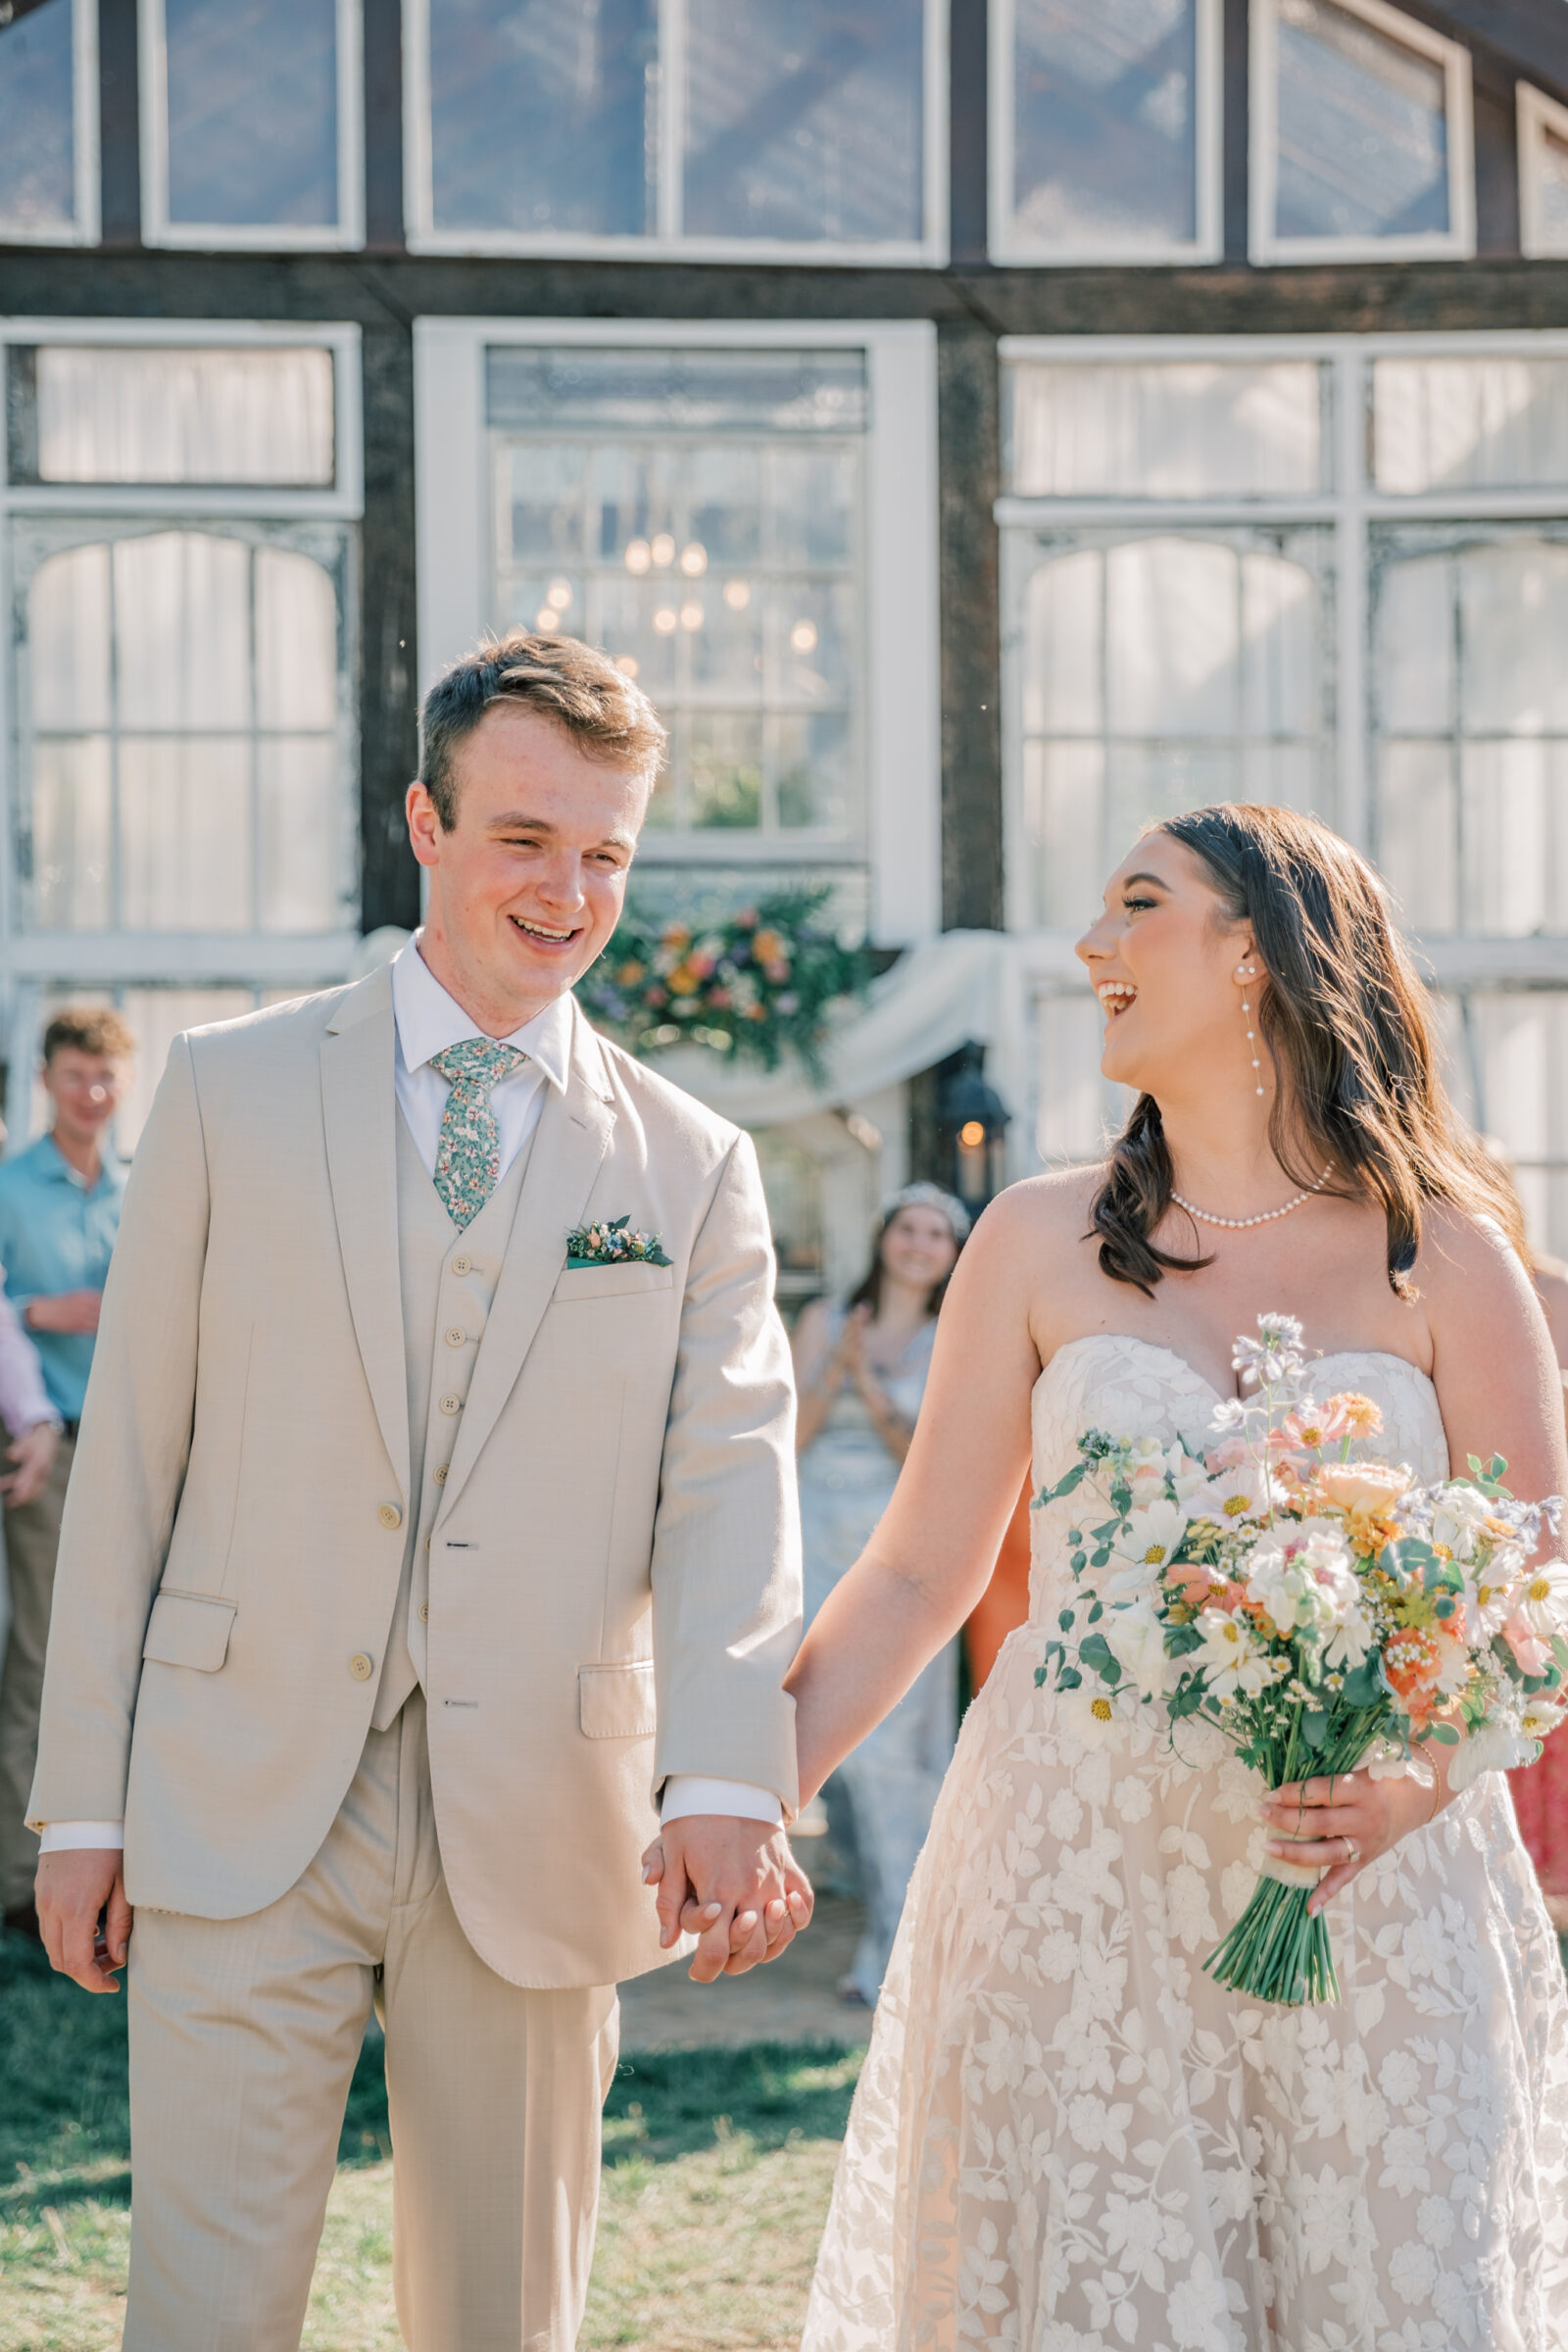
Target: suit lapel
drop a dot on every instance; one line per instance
(359, 1105)
(569, 1150)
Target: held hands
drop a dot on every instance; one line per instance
(70, 1892)
(732, 1883)
(33, 1454)
(1310, 1821)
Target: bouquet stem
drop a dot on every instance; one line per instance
(1277, 1951)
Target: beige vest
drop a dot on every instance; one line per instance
(448, 1281)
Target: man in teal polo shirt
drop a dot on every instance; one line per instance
(59, 1213)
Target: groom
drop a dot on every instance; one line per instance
(408, 1558)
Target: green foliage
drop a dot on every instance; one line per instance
(755, 985)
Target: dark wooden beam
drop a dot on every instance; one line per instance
(1528, 38)
(970, 462)
(383, 125)
(388, 657)
(1236, 86)
(968, 129)
(119, 125)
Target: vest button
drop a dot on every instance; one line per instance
(463, 1265)
(389, 1515)
(361, 1667)
(439, 1473)
(452, 1405)
(457, 1337)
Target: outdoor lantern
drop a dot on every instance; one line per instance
(971, 1123)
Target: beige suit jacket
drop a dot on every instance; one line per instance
(614, 1570)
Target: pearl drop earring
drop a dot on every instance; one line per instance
(1247, 973)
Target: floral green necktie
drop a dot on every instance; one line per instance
(468, 1157)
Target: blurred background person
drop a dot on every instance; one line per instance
(1004, 1603)
(59, 1213)
(860, 1367)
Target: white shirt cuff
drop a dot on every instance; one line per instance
(74, 1836)
(686, 1792)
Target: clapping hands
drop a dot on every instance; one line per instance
(732, 1883)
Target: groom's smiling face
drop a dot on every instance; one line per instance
(527, 886)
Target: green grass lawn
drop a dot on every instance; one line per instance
(717, 2168)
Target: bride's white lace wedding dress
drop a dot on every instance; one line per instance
(1068, 2139)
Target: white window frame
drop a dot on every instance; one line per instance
(1457, 242)
(1208, 245)
(84, 228)
(669, 242)
(1536, 115)
(251, 236)
(902, 647)
(32, 962)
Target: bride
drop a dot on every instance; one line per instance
(1067, 2137)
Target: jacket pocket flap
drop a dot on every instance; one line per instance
(610, 1282)
(617, 1702)
(189, 1629)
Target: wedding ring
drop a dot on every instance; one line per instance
(1353, 1852)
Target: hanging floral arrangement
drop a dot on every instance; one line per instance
(754, 984)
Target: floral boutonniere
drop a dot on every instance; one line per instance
(613, 1244)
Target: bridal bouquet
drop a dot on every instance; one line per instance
(1323, 1612)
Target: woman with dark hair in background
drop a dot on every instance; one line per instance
(860, 1369)
(1067, 2135)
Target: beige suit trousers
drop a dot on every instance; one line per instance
(244, 2034)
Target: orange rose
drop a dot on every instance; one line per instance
(1368, 1490)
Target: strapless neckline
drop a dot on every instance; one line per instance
(1173, 1356)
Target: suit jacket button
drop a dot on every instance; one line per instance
(457, 1337)
(462, 1265)
(424, 1612)
(439, 1473)
(452, 1405)
(361, 1667)
(389, 1515)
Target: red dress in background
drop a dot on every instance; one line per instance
(1541, 1801)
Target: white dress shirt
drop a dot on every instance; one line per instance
(427, 1019)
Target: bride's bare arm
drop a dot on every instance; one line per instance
(933, 1552)
(1499, 1391)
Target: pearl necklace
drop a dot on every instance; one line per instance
(1265, 1216)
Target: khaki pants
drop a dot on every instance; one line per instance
(243, 2039)
(32, 1539)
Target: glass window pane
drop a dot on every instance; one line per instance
(182, 631)
(1514, 628)
(1064, 659)
(679, 391)
(70, 835)
(1172, 638)
(296, 642)
(543, 115)
(809, 757)
(1164, 429)
(1280, 638)
(252, 112)
(1515, 831)
(541, 516)
(1363, 135)
(1064, 816)
(1548, 163)
(1077, 1109)
(300, 829)
(69, 641)
(1414, 669)
(126, 415)
(726, 770)
(38, 126)
(1105, 142)
(155, 1017)
(804, 123)
(184, 833)
(1458, 424)
(1418, 833)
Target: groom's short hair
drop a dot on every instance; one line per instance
(577, 686)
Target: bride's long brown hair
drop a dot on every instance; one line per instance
(1345, 1016)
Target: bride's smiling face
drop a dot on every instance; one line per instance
(1163, 959)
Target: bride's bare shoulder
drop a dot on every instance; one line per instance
(1041, 1219)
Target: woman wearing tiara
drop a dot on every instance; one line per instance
(860, 1369)
(1068, 2137)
